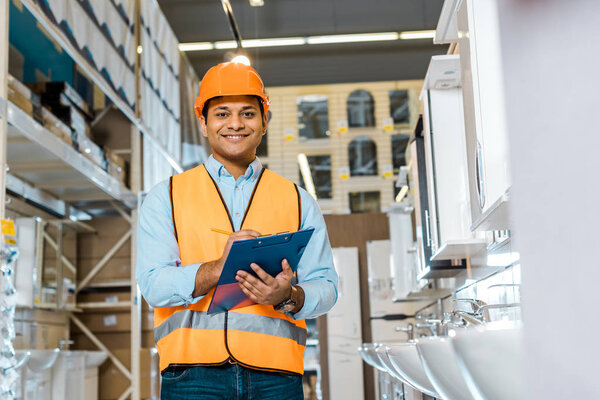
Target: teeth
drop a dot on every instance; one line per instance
(235, 137)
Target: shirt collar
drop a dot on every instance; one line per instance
(217, 170)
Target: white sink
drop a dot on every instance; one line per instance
(39, 360)
(368, 354)
(389, 367)
(406, 362)
(490, 359)
(440, 365)
(93, 359)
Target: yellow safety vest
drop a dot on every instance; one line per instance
(256, 336)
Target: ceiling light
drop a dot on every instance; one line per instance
(229, 44)
(297, 41)
(257, 3)
(352, 38)
(196, 46)
(241, 59)
(140, 49)
(408, 35)
(306, 175)
(292, 41)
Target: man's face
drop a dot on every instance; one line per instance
(234, 127)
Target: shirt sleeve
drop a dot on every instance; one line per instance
(316, 273)
(163, 281)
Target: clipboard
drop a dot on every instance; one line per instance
(267, 252)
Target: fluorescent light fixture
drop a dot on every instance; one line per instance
(306, 175)
(257, 3)
(228, 44)
(353, 38)
(198, 46)
(291, 41)
(298, 41)
(241, 59)
(409, 35)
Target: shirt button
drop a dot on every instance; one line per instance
(237, 215)
(237, 188)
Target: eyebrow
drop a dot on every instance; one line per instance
(243, 108)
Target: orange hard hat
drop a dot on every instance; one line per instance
(230, 79)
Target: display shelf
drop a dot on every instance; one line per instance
(40, 158)
(95, 76)
(496, 217)
(466, 248)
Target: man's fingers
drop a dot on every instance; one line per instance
(266, 278)
(286, 271)
(255, 282)
(249, 294)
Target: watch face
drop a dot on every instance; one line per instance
(285, 306)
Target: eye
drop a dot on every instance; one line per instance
(221, 114)
(249, 114)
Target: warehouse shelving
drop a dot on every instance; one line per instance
(49, 172)
(41, 158)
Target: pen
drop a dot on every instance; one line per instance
(229, 233)
(220, 231)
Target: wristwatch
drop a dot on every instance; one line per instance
(289, 304)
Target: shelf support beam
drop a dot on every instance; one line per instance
(101, 346)
(98, 267)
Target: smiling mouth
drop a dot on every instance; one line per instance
(235, 136)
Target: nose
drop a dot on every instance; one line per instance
(235, 122)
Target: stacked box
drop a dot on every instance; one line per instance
(91, 151)
(116, 165)
(66, 104)
(56, 126)
(21, 96)
(113, 383)
(60, 93)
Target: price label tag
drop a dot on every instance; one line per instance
(342, 126)
(289, 134)
(388, 171)
(344, 173)
(388, 124)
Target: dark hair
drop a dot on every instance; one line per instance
(260, 105)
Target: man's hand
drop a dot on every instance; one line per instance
(209, 272)
(265, 289)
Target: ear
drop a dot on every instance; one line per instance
(203, 126)
(264, 124)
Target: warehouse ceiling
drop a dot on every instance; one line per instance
(205, 21)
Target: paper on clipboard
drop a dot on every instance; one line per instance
(267, 252)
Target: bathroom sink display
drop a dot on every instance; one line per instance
(94, 359)
(39, 360)
(490, 359)
(440, 364)
(368, 354)
(406, 362)
(385, 359)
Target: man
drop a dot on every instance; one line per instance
(250, 352)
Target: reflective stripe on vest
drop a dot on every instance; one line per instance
(242, 322)
(256, 336)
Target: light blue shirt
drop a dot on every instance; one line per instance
(164, 282)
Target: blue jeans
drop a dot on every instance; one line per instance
(229, 382)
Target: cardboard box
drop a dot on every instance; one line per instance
(91, 247)
(59, 93)
(108, 297)
(17, 98)
(112, 340)
(113, 383)
(91, 151)
(116, 165)
(114, 321)
(56, 126)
